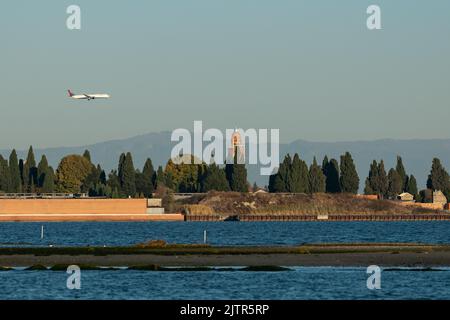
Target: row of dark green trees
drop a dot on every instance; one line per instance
(77, 174)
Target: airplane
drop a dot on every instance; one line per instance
(87, 96)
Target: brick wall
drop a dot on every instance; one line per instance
(72, 206)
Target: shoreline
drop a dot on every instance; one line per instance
(178, 217)
(357, 255)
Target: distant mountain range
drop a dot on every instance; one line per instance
(417, 154)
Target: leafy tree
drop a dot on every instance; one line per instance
(182, 175)
(15, 183)
(316, 178)
(127, 176)
(395, 184)
(71, 173)
(215, 179)
(95, 182)
(349, 179)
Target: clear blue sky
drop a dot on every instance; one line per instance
(309, 68)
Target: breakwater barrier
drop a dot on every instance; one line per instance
(315, 217)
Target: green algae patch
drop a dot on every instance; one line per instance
(187, 269)
(5, 268)
(63, 267)
(36, 267)
(150, 267)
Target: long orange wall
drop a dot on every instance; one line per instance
(73, 206)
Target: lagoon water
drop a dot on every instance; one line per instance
(299, 283)
(222, 233)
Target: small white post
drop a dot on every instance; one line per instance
(42, 232)
(204, 236)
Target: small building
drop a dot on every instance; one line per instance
(438, 197)
(260, 190)
(405, 196)
(154, 206)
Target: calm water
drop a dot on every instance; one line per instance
(300, 283)
(223, 233)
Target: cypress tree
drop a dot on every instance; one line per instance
(87, 155)
(4, 175)
(148, 176)
(48, 183)
(395, 184)
(42, 170)
(127, 176)
(331, 172)
(383, 183)
(290, 172)
(316, 178)
(280, 180)
(325, 164)
(159, 179)
(300, 175)
(371, 186)
(236, 175)
(120, 166)
(139, 182)
(349, 179)
(215, 179)
(438, 179)
(402, 173)
(30, 172)
(21, 169)
(113, 183)
(412, 186)
(15, 185)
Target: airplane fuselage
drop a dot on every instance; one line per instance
(88, 96)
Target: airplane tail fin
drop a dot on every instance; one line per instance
(70, 93)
